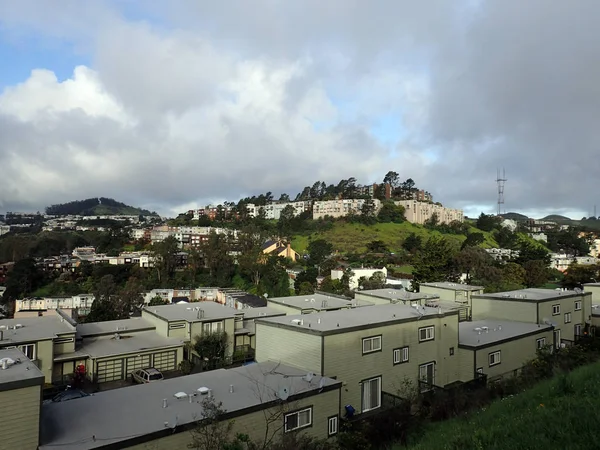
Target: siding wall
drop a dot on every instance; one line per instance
(324, 405)
(594, 291)
(45, 358)
(68, 347)
(370, 298)
(485, 308)
(19, 418)
(290, 347)
(283, 308)
(161, 325)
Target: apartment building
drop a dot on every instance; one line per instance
(567, 311)
(499, 348)
(456, 293)
(420, 212)
(161, 415)
(21, 384)
(371, 350)
(77, 304)
(389, 296)
(357, 274)
(341, 207)
(314, 303)
(272, 211)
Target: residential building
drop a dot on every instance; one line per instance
(562, 261)
(357, 274)
(4, 229)
(387, 296)
(596, 314)
(594, 290)
(420, 212)
(211, 294)
(341, 207)
(79, 305)
(499, 348)
(161, 415)
(236, 299)
(502, 254)
(453, 292)
(313, 303)
(21, 384)
(272, 211)
(371, 350)
(245, 330)
(567, 311)
(279, 248)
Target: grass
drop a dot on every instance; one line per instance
(354, 237)
(558, 413)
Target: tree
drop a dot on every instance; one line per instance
(285, 223)
(434, 262)
(472, 261)
(284, 198)
(251, 259)
(305, 288)
(106, 301)
(412, 243)
(391, 213)
(377, 247)
(212, 348)
(505, 238)
(318, 251)
(577, 275)
(367, 212)
(536, 273)
(25, 278)
(513, 273)
(218, 260)
(487, 222)
(532, 252)
(157, 301)
(130, 297)
(433, 221)
(212, 432)
(165, 258)
(392, 178)
(376, 281)
(473, 240)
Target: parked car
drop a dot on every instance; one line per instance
(68, 394)
(148, 375)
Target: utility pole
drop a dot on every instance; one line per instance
(500, 182)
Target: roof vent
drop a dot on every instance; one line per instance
(298, 321)
(180, 395)
(499, 327)
(117, 336)
(17, 326)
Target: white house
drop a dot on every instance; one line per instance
(357, 274)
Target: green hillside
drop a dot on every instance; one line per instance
(557, 218)
(354, 237)
(561, 413)
(514, 216)
(100, 206)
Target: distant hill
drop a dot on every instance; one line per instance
(557, 218)
(515, 216)
(99, 206)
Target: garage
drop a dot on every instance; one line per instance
(165, 361)
(137, 362)
(110, 370)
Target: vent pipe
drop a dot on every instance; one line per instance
(164, 402)
(231, 388)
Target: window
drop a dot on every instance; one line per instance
(567, 317)
(371, 394)
(332, 425)
(451, 351)
(28, 350)
(427, 376)
(212, 327)
(494, 358)
(557, 338)
(540, 343)
(555, 310)
(426, 334)
(63, 340)
(400, 355)
(578, 305)
(578, 329)
(480, 370)
(371, 344)
(174, 326)
(297, 420)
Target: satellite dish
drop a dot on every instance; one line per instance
(284, 393)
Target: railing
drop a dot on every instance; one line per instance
(242, 354)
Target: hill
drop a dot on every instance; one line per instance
(557, 413)
(96, 206)
(515, 216)
(557, 218)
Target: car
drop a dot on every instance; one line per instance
(148, 375)
(68, 394)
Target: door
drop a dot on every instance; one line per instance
(557, 338)
(110, 370)
(427, 375)
(136, 362)
(165, 361)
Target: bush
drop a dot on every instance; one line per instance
(186, 367)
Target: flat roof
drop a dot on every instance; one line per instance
(143, 341)
(112, 326)
(18, 375)
(190, 312)
(33, 329)
(584, 285)
(595, 309)
(320, 302)
(473, 334)
(453, 286)
(349, 319)
(530, 294)
(263, 311)
(398, 294)
(121, 415)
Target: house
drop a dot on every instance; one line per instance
(453, 292)
(371, 350)
(234, 298)
(420, 212)
(342, 207)
(161, 415)
(387, 296)
(21, 384)
(280, 248)
(308, 304)
(567, 311)
(245, 330)
(498, 348)
(357, 274)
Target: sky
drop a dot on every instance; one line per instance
(174, 105)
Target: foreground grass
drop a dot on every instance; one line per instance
(561, 413)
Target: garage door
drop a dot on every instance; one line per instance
(110, 370)
(137, 362)
(165, 360)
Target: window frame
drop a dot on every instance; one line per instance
(557, 335)
(363, 383)
(64, 340)
(22, 347)
(542, 341)
(556, 310)
(493, 355)
(580, 326)
(219, 324)
(568, 317)
(578, 305)
(401, 351)
(177, 326)
(372, 339)
(297, 414)
(426, 329)
(333, 419)
(424, 366)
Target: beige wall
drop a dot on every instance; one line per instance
(283, 308)
(594, 291)
(486, 308)
(68, 347)
(19, 418)
(161, 325)
(370, 298)
(228, 326)
(45, 358)
(324, 406)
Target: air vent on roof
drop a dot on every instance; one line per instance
(17, 326)
(203, 390)
(298, 321)
(180, 395)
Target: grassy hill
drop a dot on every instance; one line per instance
(354, 237)
(515, 216)
(559, 413)
(557, 218)
(99, 206)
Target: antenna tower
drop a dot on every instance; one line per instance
(500, 181)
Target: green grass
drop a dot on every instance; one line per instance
(561, 413)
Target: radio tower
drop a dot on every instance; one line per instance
(500, 181)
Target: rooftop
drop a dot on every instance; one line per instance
(453, 286)
(30, 329)
(474, 334)
(264, 311)
(192, 312)
(112, 326)
(398, 294)
(138, 410)
(531, 294)
(24, 372)
(595, 309)
(348, 319)
(316, 301)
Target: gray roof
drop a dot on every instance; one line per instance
(531, 294)
(453, 286)
(591, 284)
(189, 311)
(498, 331)
(111, 326)
(20, 372)
(348, 319)
(142, 341)
(118, 415)
(316, 302)
(263, 311)
(33, 329)
(398, 294)
(595, 309)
